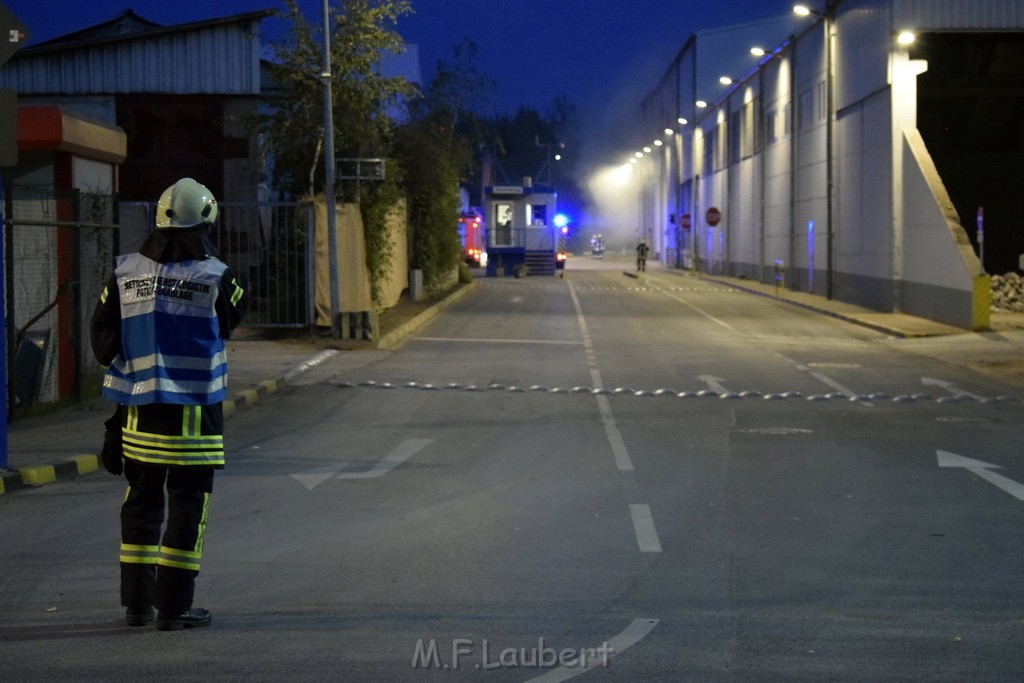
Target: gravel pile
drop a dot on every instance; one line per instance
(1008, 293)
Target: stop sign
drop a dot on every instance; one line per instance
(684, 221)
(713, 216)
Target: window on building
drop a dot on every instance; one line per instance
(750, 134)
(735, 134)
(502, 225)
(536, 214)
(709, 151)
(771, 126)
(805, 109)
(721, 146)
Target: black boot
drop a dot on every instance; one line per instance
(193, 618)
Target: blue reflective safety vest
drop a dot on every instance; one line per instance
(171, 348)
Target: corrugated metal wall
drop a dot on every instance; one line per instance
(958, 15)
(218, 59)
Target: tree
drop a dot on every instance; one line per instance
(363, 99)
(435, 152)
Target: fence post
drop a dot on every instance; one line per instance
(4, 412)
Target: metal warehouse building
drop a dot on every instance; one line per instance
(865, 155)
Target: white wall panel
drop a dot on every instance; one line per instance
(963, 15)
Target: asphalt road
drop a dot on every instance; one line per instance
(596, 477)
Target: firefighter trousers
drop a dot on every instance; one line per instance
(160, 570)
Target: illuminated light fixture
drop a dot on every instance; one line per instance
(558, 157)
(639, 155)
(701, 104)
(906, 38)
(632, 161)
(658, 143)
(647, 150)
(757, 51)
(805, 11)
(669, 132)
(725, 80)
(681, 121)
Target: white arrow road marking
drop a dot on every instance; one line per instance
(314, 478)
(714, 383)
(827, 381)
(632, 635)
(983, 470)
(948, 386)
(405, 450)
(643, 525)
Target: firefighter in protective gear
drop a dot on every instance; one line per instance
(160, 327)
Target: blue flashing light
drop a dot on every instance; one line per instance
(561, 220)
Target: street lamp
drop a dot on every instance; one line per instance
(805, 11)
(906, 38)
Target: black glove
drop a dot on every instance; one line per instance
(112, 454)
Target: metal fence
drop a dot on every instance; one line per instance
(268, 246)
(60, 249)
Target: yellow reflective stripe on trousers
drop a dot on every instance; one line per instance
(173, 450)
(191, 420)
(188, 559)
(201, 536)
(182, 559)
(132, 421)
(139, 554)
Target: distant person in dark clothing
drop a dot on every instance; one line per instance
(641, 256)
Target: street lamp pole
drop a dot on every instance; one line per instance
(332, 228)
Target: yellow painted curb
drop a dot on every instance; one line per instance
(249, 395)
(86, 464)
(229, 407)
(982, 312)
(38, 475)
(270, 385)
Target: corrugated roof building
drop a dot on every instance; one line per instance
(179, 92)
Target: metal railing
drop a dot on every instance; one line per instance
(268, 246)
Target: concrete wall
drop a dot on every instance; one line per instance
(887, 239)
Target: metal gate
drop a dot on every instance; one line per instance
(268, 246)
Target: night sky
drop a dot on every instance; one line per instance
(601, 54)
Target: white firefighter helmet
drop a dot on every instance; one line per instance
(185, 204)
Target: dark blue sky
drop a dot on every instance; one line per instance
(601, 54)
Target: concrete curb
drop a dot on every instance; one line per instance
(395, 337)
(30, 477)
